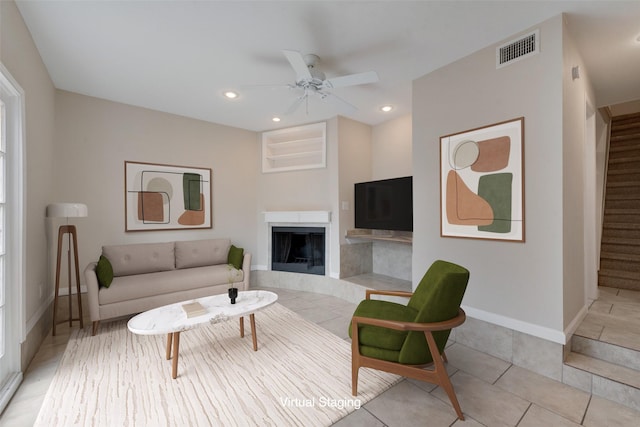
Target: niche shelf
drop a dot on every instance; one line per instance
(296, 148)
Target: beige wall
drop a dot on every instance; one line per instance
(392, 149)
(579, 175)
(94, 137)
(518, 285)
(355, 166)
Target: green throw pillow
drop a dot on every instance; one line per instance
(235, 257)
(104, 271)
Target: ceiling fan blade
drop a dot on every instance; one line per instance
(338, 102)
(267, 86)
(351, 80)
(296, 60)
(295, 104)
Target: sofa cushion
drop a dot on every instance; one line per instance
(140, 258)
(126, 288)
(200, 253)
(104, 272)
(235, 257)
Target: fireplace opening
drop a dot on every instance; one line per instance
(298, 249)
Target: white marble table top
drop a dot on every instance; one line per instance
(172, 318)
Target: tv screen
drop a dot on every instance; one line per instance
(385, 205)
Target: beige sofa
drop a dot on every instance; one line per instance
(151, 275)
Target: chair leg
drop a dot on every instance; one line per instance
(445, 383)
(354, 379)
(442, 375)
(94, 330)
(355, 358)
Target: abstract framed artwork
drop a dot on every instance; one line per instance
(166, 197)
(482, 182)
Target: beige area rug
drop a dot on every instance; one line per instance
(300, 376)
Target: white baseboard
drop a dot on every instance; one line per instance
(543, 332)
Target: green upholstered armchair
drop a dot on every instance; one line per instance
(406, 339)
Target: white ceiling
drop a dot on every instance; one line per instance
(180, 56)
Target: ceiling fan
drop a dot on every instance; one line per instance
(313, 82)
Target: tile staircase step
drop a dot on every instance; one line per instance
(619, 331)
(606, 346)
(602, 368)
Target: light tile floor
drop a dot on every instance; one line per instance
(492, 392)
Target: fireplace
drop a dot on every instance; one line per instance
(298, 249)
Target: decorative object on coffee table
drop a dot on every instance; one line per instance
(233, 294)
(67, 210)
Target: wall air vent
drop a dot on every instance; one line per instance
(516, 50)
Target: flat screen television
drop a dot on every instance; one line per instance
(385, 204)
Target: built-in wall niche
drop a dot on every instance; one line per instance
(301, 147)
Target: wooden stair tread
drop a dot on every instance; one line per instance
(622, 226)
(620, 241)
(623, 184)
(619, 274)
(620, 256)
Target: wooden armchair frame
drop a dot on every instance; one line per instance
(438, 375)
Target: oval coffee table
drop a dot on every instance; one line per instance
(172, 319)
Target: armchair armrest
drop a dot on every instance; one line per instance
(412, 326)
(370, 292)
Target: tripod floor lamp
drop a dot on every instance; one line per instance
(67, 210)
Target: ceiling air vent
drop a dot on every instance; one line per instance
(516, 50)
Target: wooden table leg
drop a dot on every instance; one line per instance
(253, 332)
(176, 345)
(169, 337)
(241, 326)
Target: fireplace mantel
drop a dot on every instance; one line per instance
(306, 217)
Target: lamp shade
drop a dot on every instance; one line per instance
(67, 210)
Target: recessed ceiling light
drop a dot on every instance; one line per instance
(231, 94)
(275, 119)
(386, 108)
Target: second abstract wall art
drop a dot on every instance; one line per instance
(482, 182)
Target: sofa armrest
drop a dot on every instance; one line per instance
(91, 281)
(246, 270)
